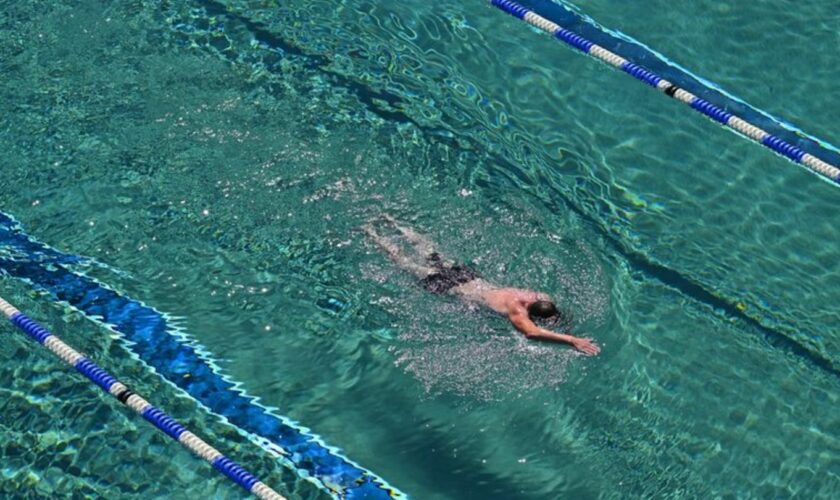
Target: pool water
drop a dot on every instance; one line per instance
(216, 159)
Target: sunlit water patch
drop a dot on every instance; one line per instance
(219, 158)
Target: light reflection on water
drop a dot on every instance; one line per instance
(227, 182)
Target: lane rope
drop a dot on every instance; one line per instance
(716, 113)
(124, 395)
(153, 339)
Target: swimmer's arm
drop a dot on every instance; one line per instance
(524, 324)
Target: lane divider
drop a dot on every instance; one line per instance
(124, 395)
(783, 148)
(170, 352)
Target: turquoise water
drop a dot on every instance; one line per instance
(223, 182)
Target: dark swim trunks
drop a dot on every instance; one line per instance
(446, 277)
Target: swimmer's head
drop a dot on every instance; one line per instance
(542, 309)
(546, 314)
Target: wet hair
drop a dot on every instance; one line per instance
(546, 314)
(542, 309)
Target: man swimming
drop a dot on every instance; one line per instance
(439, 276)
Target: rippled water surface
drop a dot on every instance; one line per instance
(217, 159)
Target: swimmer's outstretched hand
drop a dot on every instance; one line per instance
(586, 346)
(519, 317)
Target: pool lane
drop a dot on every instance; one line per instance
(215, 17)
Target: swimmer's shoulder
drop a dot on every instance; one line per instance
(518, 294)
(502, 300)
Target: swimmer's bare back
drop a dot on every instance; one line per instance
(440, 276)
(513, 303)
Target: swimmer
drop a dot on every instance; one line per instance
(439, 276)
